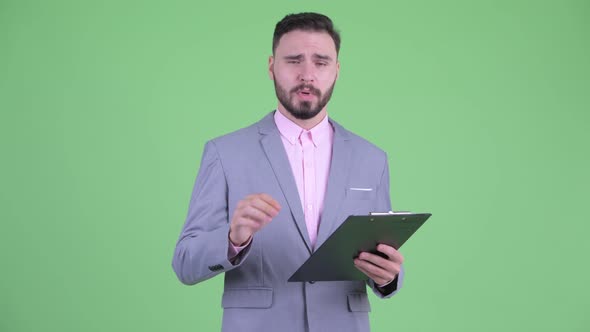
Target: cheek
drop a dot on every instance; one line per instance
(326, 84)
(284, 73)
(327, 78)
(286, 82)
(284, 78)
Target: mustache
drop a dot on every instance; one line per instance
(311, 89)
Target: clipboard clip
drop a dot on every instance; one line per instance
(390, 213)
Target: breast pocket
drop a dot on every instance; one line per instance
(361, 193)
(359, 201)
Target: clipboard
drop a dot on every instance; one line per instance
(333, 260)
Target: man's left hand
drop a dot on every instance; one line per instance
(381, 270)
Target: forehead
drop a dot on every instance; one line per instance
(304, 42)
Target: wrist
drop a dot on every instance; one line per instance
(386, 283)
(237, 241)
(389, 287)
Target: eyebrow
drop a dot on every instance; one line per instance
(322, 57)
(315, 56)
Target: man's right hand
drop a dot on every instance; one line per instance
(251, 214)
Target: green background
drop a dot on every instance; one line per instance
(482, 107)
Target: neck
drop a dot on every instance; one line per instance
(305, 124)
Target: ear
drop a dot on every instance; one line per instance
(271, 62)
(337, 69)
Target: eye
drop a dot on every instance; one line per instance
(321, 64)
(293, 61)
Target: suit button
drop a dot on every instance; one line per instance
(311, 282)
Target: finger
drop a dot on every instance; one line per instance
(391, 252)
(374, 271)
(392, 268)
(265, 207)
(367, 273)
(253, 213)
(359, 266)
(271, 201)
(377, 260)
(378, 279)
(245, 222)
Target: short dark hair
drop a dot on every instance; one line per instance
(307, 22)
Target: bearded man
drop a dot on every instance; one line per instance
(266, 196)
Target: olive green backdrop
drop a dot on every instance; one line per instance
(482, 107)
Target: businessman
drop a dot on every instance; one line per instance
(266, 196)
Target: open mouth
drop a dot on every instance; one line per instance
(305, 94)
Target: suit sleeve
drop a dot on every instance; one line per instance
(384, 205)
(202, 248)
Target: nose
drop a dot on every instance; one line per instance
(307, 74)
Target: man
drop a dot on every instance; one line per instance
(267, 195)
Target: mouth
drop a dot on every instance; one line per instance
(305, 94)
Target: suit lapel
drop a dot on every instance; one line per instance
(337, 181)
(275, 152)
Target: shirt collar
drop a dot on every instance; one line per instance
(291, 131)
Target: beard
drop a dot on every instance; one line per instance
(306, 109)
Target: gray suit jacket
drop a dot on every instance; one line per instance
(257, 296)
